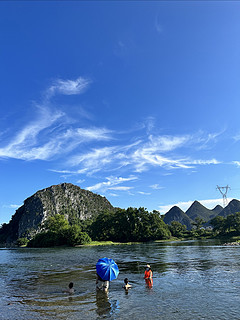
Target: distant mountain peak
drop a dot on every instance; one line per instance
(198, 210)
(176, 214)
(231, 208)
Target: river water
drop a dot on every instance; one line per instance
(191, 280)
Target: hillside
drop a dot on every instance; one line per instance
(231, 208)
(198, 210)
(216, 211)
(67, 199)
(176, 214)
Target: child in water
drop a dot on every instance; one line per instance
(126, 284)
(70, 288)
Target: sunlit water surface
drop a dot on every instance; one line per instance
(191, 280)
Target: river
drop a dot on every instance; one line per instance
(191, 280)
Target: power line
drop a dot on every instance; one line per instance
(223, 191)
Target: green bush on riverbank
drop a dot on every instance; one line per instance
(58, 232)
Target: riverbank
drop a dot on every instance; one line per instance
(232, 244)
(226, 240)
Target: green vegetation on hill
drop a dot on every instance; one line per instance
(226, 225)
(57, 232)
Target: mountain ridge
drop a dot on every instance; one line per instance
(197, 210)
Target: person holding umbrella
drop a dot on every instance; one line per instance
(107, 270)
(101, 284)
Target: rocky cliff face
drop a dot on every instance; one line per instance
(67, 199)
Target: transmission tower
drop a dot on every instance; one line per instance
(223, 191)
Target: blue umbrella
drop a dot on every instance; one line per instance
(107, 269)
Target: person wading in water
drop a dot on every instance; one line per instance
(148, 276)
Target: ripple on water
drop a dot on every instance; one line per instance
(190, 282)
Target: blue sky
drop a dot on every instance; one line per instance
(136, 101)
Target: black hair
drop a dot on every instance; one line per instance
(70, 285)
(126, 280)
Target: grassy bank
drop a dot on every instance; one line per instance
(104, 243)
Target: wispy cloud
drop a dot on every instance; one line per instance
(155, 151)
(144, 193)
(50, 134)
(11, 206)
(236, 137)
(80, 180)
(205, 140)
(94, 160)
(25, 144)
(156, 186)
(35, 142)
(112, 184)
(120, 188)
(68, 87)
(203, 162)
(237, 163)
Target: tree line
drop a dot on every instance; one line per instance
(126, 225)
(123, 225)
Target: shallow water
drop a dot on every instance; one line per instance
(191, 280)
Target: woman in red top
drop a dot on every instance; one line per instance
(148, 276)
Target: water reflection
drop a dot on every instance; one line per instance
(105, 306)
(149, 283)
(191, 281)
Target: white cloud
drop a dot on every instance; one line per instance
(112, 184)
(139, 156)
(144, 193)
(11, 206)
(156, 186)
(24, 144)
(236, 137)
(120, 188)
(47, 137)
(94, 160)
(237, 163)
(204, 162)
(81, 181)
(68, 87)
(51, 136)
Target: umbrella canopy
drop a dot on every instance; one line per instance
(107, 269)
